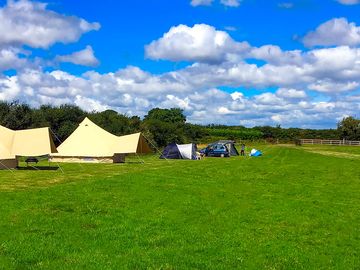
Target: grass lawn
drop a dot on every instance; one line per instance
(293, 208)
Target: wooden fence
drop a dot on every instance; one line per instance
(330, 142)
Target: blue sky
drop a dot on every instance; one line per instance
(250, 62)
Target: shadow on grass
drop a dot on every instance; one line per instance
(38, 168)
(134, 162)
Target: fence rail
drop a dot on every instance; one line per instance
(330, 142)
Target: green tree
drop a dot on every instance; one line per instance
(194, 133)
(15, 115)
(114, 122)
(164, 133)
(173, 115)
(165, 125)
(349, 128)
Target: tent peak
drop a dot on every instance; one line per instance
(86, 121)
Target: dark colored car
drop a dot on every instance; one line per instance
(216, 150)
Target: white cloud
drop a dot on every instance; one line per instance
(174, 101)
(349, 2)
(335, 32)
(201, 43)
(339, 65)
(84, 57)
(269, 99)
(9, 88)
(224, 110)
(230, 3)
(286, 5)
(328, 86)
(196, 3)
(237, 96)
(291, 93)
(227, 3)
(274, 55)
(12, 58)
(131, 90)
(89, 104)
(30, 23)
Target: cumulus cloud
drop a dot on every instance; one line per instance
(329, 86)
(89, 104)
(291, 93)
(227, 3)
(338, 65)
(84, 57)
(13, 58)
(335, 32)
(196, 3)
(30, 23)
(9, 88)
(349, 2)
(275, 55)
(230, 3)
(201, 43)
(134, 91)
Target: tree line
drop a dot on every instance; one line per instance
(160, 126)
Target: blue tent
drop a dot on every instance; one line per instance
(255, 153)
(179, 151)
(171, 152)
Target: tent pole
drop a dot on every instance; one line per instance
(56, 137)
(155, 147)
(34, 168)
(59, 167)
(6, 167)
(79, 163)
(141, 160)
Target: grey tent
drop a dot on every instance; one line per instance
(230, 145)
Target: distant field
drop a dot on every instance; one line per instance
(293, 208)
(354, 150)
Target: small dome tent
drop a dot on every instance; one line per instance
(179, 151)
(255, 153)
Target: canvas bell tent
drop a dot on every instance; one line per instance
(230, 145)
(179, 151)
(91, 143)
(26, 143)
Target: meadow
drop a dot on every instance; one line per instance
(293, 208)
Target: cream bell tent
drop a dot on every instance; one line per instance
(91, 143)
(27, 143)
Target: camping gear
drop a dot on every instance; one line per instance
(27, 143)
(255, 153)
(89, 143)
(31, 160)
(179, 151)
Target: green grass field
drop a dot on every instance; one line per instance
(293, 208)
